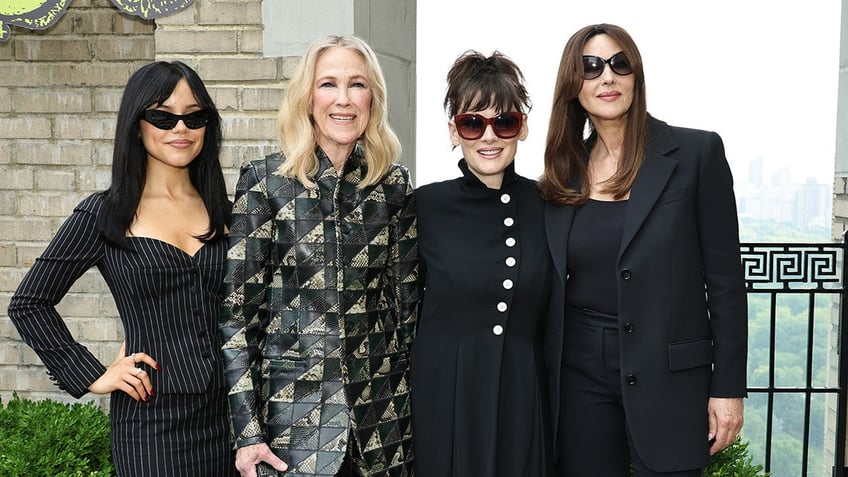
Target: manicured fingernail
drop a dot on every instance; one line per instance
(158, 368)
(152, 392)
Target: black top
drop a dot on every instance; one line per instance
(477, 367)
(592, 255)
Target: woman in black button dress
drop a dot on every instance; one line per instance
(479, 405)
(157, 236)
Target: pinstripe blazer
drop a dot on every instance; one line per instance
(319, 314)
(168, 302)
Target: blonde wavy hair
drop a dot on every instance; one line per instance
(295, 126)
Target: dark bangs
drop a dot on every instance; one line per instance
(477, 82)
(489, 91)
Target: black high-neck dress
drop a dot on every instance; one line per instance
(478, 386)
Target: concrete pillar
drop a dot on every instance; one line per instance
(840, 194)
(389, 27)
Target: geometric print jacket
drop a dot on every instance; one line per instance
(319, 315)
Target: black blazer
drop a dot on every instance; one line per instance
(679, 345)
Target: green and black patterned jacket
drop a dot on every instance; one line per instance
(319, 314)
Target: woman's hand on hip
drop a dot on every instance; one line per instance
(124, 375)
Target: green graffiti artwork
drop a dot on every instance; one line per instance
(32, 14)
(149, 9)
(41, 14)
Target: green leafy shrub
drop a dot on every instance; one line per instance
(734, 461)
(48, 438)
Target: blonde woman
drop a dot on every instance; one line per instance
(321, 283)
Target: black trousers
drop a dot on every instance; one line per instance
(594, 438)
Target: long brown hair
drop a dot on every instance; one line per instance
(565, 179)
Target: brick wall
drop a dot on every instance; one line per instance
(59, 94)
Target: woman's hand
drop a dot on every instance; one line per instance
(247, 457)
(123, 375)
(726, 416)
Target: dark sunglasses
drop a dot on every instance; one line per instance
(473, 126)
(593, 66)
(165, 120)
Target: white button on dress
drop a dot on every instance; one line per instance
(509, 221)
(505, 198)
(510, 261)
(501, 307)
(507, 284)
(510, 242)
(497, 330)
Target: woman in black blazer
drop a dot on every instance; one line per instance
(157, 236)
(648, 331)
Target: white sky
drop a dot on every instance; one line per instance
(763, 74)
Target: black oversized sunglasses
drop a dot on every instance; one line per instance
(165, 120)
(593, 66)
(473, 126)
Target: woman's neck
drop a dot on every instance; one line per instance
(165, 181)
(605, 159)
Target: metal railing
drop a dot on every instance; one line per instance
(812, 277)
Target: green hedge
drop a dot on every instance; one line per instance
(48, 438)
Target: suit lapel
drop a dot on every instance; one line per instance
(557, 226)
(650, 182)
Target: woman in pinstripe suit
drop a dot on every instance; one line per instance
(158, 238)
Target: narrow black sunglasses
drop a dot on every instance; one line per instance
(165, 120)
(593, 66)
(473, 126)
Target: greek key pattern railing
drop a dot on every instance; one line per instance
(788, 266)
(809, 270)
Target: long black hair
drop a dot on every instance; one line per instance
(148, 87)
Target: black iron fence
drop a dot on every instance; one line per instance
(795, 419)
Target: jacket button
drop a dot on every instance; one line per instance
(626, 274)
(630, 379)
(628, 327)
(345, 228)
